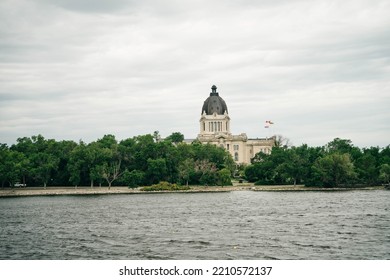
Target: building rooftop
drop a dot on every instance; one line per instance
(214, 104)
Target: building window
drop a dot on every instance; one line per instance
(236, 156)
(227, 147)
(235, 147)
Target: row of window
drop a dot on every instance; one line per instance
(235, 147)
(215, 126)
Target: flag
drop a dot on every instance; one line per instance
(268, 124)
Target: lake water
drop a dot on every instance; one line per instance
(235, 225)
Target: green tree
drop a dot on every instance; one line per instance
(168, 152)
(384, 155)
(143, 149)
(293, 168)
(367, 167)
(262, 173)
(96, 154)
(62, 150)
(157, 170)
(133, 178)
(43, 166)
(213, 154)
(109, 161)
(111, 171)
(384, 173)
(186, 169)
(337, 145)
(175, 137)
(207, 172)
(270, 168)
(12, 166)
(26, 146)
(335, 169)
(3, 163)
(79, 164)
(44, 160)
(224, 177)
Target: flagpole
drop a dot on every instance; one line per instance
(267, 125)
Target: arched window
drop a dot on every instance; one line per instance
(236, 156)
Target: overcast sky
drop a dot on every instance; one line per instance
(72, 69)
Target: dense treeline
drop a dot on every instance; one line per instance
(138, 161)
(147, 159)
(338, 163)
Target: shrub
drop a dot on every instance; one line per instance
(164, 186)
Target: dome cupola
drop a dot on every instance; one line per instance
(214, 103)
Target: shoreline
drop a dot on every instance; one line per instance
(57, 191)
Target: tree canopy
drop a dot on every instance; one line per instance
(148, 159)
(338, 163)
(138, 161)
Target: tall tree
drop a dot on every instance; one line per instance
(44, 160)
(293, 168)
(175, 137)
(109, 166)
(335, 169)
(157, 170)
(186, 168)
(384, 173)
(111, 171)
(367, 166)
(77, 164)
(12, 166)
(207, 171)
(224, 177)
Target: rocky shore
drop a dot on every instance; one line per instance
(51, 191)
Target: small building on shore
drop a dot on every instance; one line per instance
(215, 129)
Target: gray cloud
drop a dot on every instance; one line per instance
(80, 69)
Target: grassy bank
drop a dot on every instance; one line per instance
(52, 191)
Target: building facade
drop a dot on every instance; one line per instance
(215, 129)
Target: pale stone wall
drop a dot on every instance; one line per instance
(215, 129)
(240, 147)
(211, 124)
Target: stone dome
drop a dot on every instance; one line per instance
(214, 103)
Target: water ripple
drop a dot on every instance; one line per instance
(236, 225)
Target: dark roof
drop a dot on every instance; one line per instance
(214, 103)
